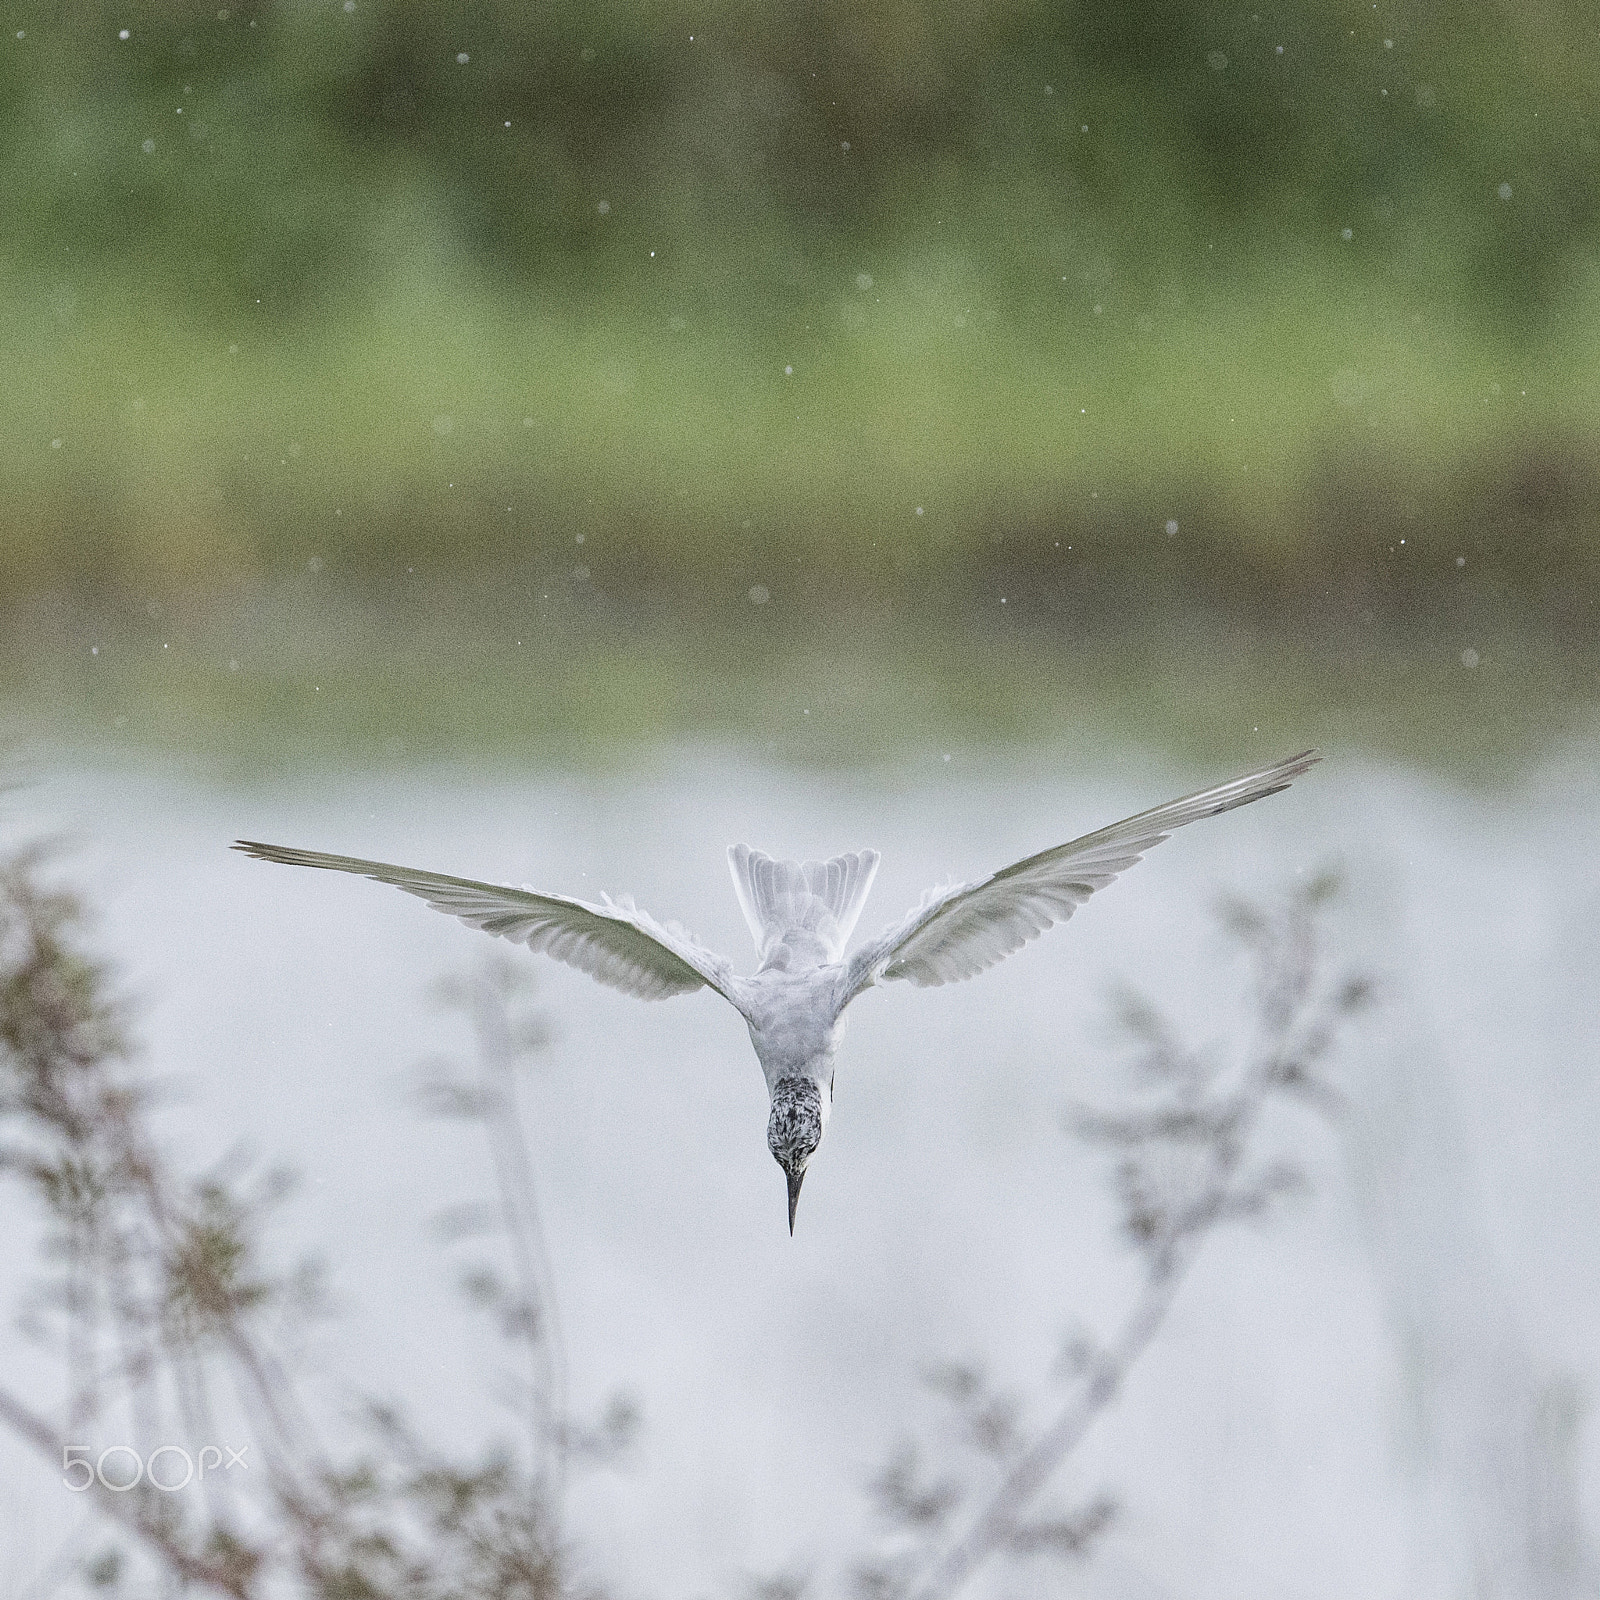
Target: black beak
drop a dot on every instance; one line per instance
(795, 1180)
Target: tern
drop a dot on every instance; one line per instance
(801, 914)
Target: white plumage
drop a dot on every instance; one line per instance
(795, 902)
(801, 915)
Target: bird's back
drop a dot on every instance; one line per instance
(793, 1019)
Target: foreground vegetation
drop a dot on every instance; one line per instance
(162, 1310)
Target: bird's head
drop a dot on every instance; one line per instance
(794, 1130)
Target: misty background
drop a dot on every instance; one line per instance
(552, 444)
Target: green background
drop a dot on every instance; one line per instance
(354, 327)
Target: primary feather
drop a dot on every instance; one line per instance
(963, 930)
(616, 942)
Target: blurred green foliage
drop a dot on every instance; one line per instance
(737, 288)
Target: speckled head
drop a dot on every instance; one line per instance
(794, 1130)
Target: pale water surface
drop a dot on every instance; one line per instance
(1379, 1393)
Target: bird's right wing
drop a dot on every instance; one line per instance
(616, 942)
(961, 931)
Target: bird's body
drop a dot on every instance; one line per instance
(794, 1020)
(801, 915)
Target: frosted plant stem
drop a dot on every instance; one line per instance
(1170, 1261)
(520, 1212)
(1029, 1474)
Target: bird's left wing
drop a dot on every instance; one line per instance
(616, 942)
(961, 931)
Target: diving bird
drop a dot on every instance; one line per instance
(801, 914)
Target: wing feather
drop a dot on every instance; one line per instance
(615, 943)
(964, 929)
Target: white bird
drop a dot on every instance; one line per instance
(801, 914)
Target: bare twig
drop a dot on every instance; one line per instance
(159, 1286)
(499, 1050)
(1168, 1218)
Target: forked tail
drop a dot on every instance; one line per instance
(820, 898)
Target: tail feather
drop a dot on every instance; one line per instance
(821, 898)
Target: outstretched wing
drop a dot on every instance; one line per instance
(616, 943)
(961, 931)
